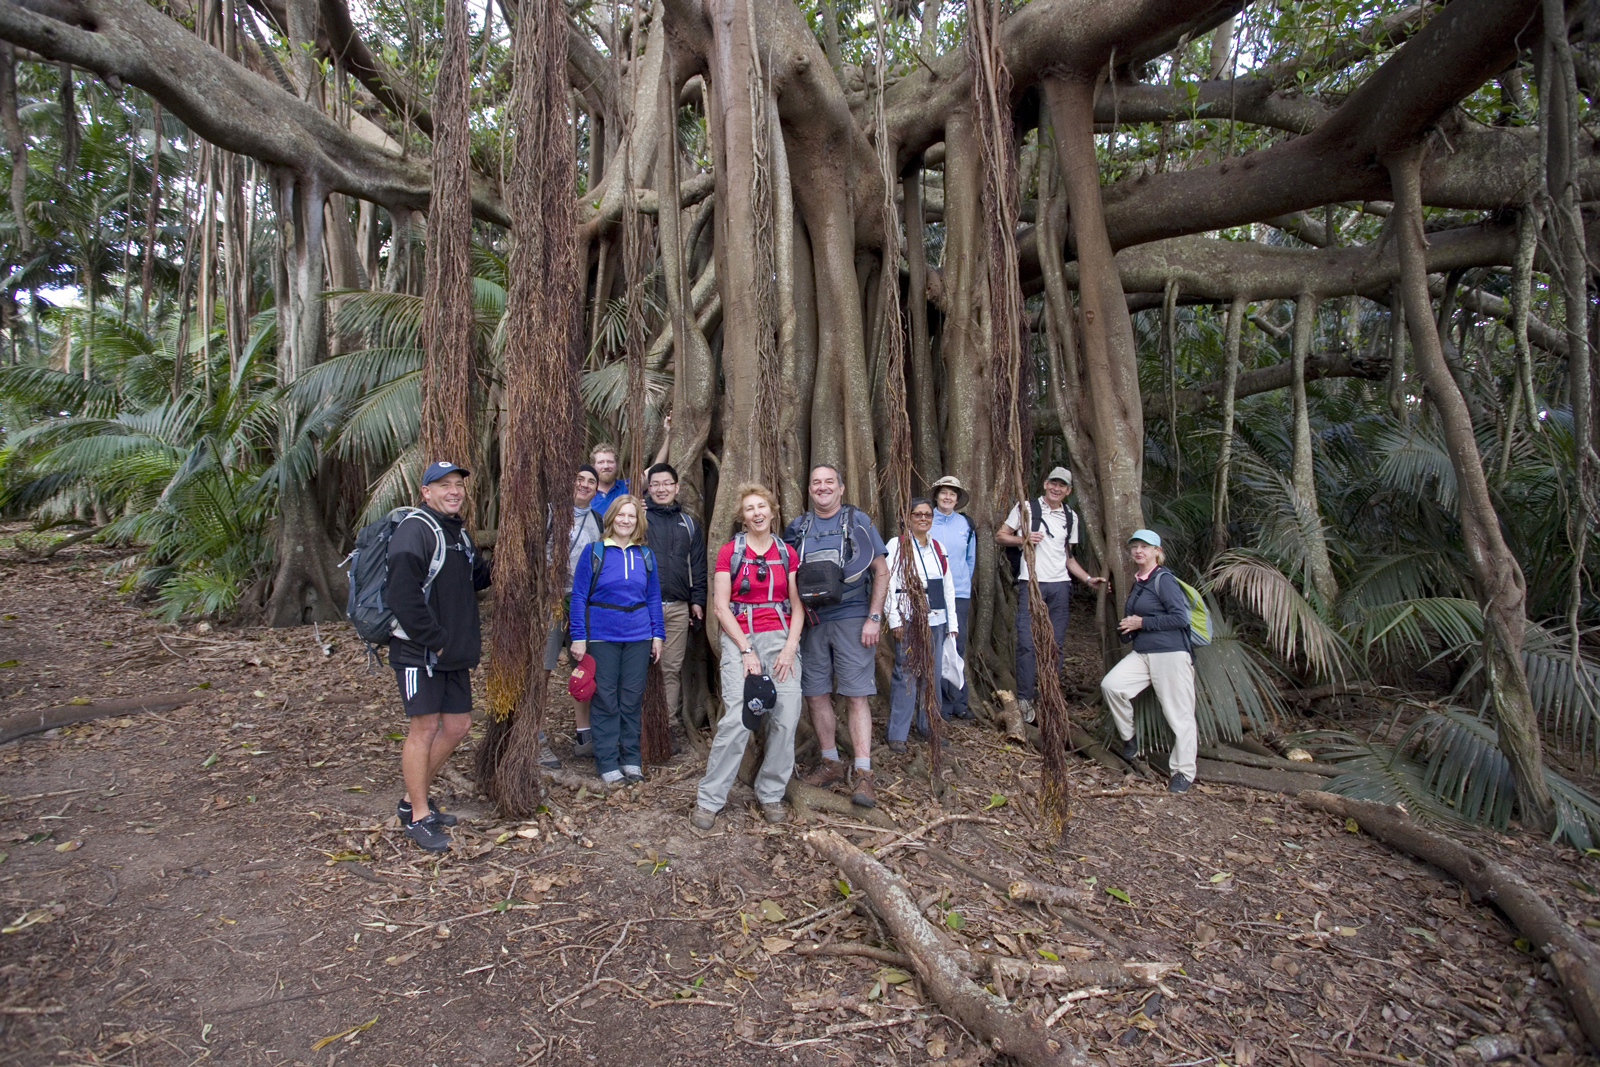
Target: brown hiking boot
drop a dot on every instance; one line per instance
(862, 796)
(825, 775)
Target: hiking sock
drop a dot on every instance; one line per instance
(863, 763)
(581, 737)
(831, 753)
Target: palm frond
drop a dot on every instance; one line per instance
(1399, 633)
(1376, 772)
(1416, 463)
(57, 392)
(1294, 627)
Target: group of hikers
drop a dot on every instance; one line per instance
(799, 614)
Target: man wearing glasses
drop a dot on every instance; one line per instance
(1052, 528)
(679, 545)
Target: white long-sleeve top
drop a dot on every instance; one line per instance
(931, 568)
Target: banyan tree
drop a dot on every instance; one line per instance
(904, 239)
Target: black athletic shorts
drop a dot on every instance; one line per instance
(445, 693)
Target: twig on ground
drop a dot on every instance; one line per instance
(853, 948)
(906, 839)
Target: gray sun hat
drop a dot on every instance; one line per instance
(1059, 474)
(950, 481)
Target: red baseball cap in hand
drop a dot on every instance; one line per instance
(580, 685)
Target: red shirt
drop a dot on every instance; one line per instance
(776, 587)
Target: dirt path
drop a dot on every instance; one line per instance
(224, 881)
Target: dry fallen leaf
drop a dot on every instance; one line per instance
(27, 919)
(775, 945)
(322, 1043)
(395, 961)
(70, 846)
(936, 1048)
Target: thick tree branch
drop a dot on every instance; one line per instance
(1463, 46)
(223, 102)
(1319, 365)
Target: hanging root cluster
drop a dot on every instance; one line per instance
(540, 434)
(991, 90)
(449, 369)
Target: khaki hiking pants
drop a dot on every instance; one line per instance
(1172, 675)
(675, 614)
(727, 748)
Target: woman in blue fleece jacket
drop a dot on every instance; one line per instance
(616, 618)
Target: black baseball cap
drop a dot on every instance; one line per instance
(439, 468)
(760, 697)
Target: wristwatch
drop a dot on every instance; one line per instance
(746, 651)
(875, 617)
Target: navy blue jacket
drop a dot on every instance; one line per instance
(1161, 603)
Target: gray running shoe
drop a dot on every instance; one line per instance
(703, 819)
(1025, 706)
(428, 834)
(1179, 784)
(402, 812)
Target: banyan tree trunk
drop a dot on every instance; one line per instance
(1110, 368)
(964, 344)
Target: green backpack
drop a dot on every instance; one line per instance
(1199, 617)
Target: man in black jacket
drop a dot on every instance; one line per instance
(679, 545)
(436, 644)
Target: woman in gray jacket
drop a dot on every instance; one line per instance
(1156, 620)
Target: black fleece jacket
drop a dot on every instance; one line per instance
(447, 621)
(679, 544)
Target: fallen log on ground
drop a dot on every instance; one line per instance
(25, 723)
(1044, 893)
(1254, 746)
(66, 542)
(1106, 974)
(806, 799)
(1289, 782)
(1011, 715)
(1272, 763)
(1575, 960)
(1085, 743)
(575, 781)
(982, 1013)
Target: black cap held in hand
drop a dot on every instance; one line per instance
(760, 697)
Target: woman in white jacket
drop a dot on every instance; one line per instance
(931, 563)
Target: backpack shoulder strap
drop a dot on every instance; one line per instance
(1036, 507)
(938, 550)
(436, 564)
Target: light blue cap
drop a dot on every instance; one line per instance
(1149, 537)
